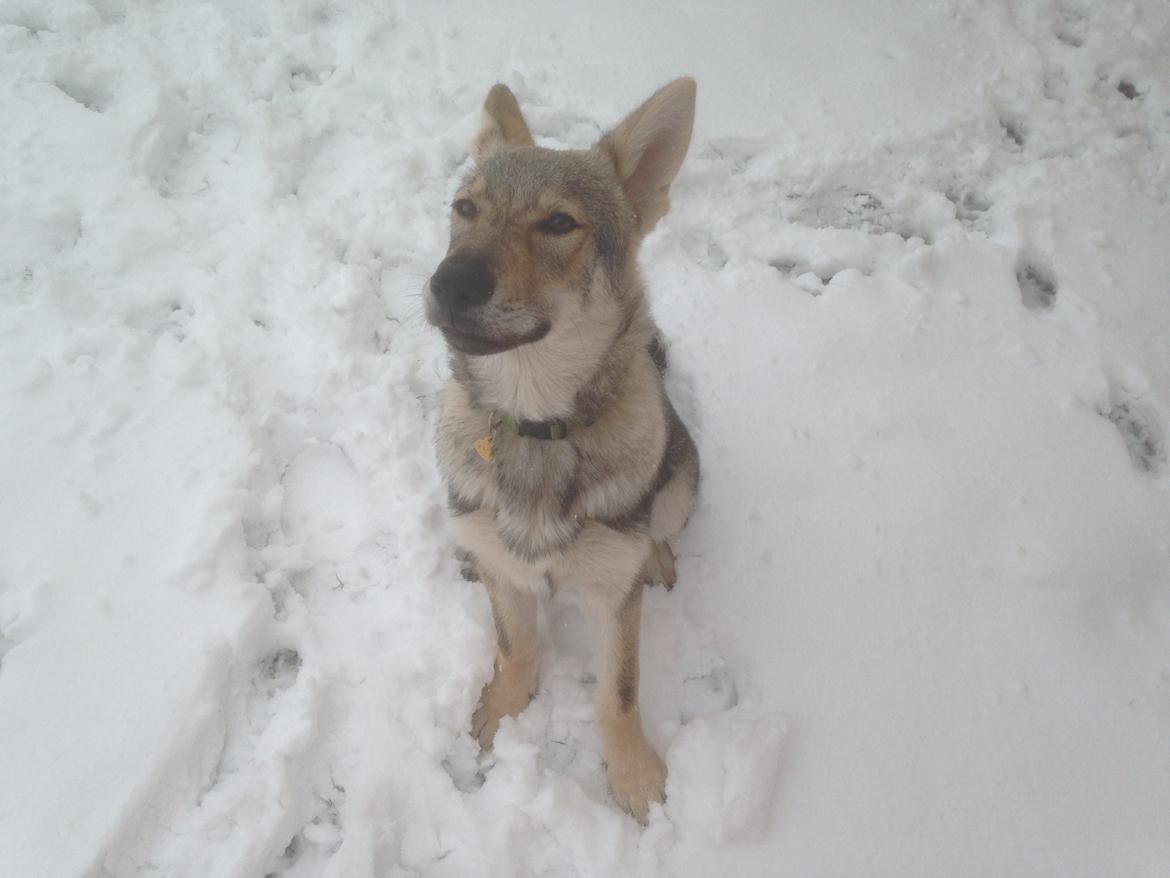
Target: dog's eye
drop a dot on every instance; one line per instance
(557, 224)
(466, 208)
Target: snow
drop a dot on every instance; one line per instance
(916, 281)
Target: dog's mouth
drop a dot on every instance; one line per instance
(478, 342)
(485, 329)
(475, 345)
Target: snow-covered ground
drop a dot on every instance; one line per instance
(917, 279)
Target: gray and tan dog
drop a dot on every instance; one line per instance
(565, 460)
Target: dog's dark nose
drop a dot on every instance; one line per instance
(463, 280)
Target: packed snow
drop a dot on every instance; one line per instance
(917, 286)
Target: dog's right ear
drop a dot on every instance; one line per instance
(501, 125)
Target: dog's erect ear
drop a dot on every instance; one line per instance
(649, 146)
(501, 125)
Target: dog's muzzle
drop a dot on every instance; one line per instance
(459, 292)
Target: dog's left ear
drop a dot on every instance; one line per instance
(649, 146)
(501, 125)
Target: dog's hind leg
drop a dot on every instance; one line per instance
(514, 612)
(673, 502)
(671, 507)
(467, 568)
(659, 568)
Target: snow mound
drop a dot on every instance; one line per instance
(723, 774)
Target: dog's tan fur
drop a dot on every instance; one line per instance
(546, 319)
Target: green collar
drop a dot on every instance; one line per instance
(556, 429)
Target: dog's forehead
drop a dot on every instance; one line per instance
(526, 176)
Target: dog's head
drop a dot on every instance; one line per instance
(537, 233)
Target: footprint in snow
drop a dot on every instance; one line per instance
(311, 847)
(1128, 89)
(711, 692)
(1070, 29)
(180, 150)
(970, 206)
(1141, 430)
(1037, 287)
(846, 208)
(1014, 131)
(250, 715)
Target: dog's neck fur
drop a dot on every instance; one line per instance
(570, 374)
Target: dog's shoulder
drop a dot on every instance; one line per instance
(619, 454)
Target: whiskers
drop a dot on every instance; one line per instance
(402, 296)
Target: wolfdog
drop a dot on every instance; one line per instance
(566, 463)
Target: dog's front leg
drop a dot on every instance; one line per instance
(636, 774)
(607, 564)
(514, 612)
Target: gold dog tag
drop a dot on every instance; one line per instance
(483, 447)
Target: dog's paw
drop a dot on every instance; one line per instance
(637, 777)
(467, 568)
(506, 695)
(659, 567)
